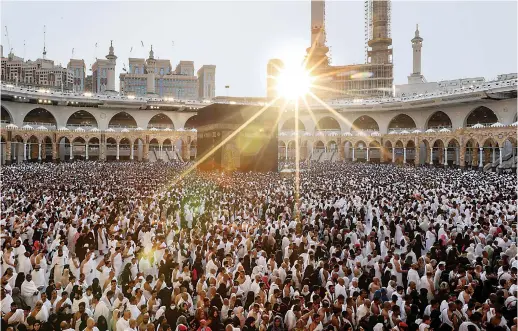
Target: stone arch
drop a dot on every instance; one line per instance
(63, 148)
(122, 120)
(289, 125)
(124, 148)
(347, 146)
(17, 148)
(471, 152)
(160, 121)
(46, 148)
(438, 151)
(365, 123)
(194, 149)
(111, 148)
(327, 123)
(32, 148)
(192, 123)
(453, 152)
(319, 145)
(79, 147)
(490, 150)
(40, 116)
(437, 120)
(332, 145)
(6, 116)
(360, 150)
(82, 118)
(401, 121)
(481, 115)
(138, 149)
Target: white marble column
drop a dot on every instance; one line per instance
(480, 159)
(431, 155)
(131, 152)
(71, 151)
(24, 151)
(117, 151)
(494, 154)
(86, 152)
(286, 153)
(393, 155)
(404, 154)
(501, 155)
(353, 155)
(39, 151)
(368, 154)
(445, 156)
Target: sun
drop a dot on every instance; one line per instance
(293, 82)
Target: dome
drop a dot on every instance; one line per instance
(392, 132)
(307, 134)
(477, 126)
(514, 124)
(496, 125)
(181, 129)
(63, 129)
(95, 130)
(283, 134)
(404, 132)
(375, 134)
(319, 133)
(42, 128)
(138, 128)
(11, 126)
(110, 130)
(360, 133)
(444, 130)
(416, 131)
(27, 127)
(347, 134)
(194, 130)
(168, 129)
(79, 130)
(153, 129)
(124, 130)
(333, 134)
(430, 131)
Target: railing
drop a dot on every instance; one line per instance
(161, 126)
(482, 86)
(35, 125)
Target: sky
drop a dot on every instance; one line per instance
(461, 38)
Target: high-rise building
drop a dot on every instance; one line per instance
(371, 79)
(155, 77)
(103, 73)
(207, 82)
(79, 69)
(39, 73)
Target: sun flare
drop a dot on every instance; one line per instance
(293, 82)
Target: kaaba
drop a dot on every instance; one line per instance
(237, 137)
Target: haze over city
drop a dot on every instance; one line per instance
(460, 38)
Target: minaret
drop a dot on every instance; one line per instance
(110, 70)
(317, 54)
(150, 71)
(417, 44)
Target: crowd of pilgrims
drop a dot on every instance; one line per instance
(158, 247)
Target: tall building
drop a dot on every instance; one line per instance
(371, 79)
(78, 67)
(40, 73)
(155, 77)
(103, 73)
(207, 82)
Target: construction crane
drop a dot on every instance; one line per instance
(8, 40)
(44, 42)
